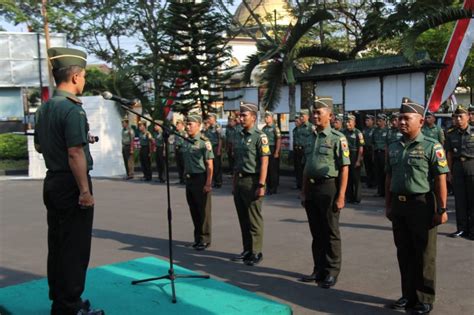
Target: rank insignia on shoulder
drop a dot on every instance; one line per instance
(208, 146)
(265, 149)
(264, 140)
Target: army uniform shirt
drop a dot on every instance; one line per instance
(250, 146)
(229, 135)
(379, 138)
(461, 144)
(127, 136)
(434, 132)
(273, 133)
(178, 141)
(393, 134)
(144, 137)
(61, 123)
(355, 139)
(305, 136)
(330, 152)
(409, 163)
(158, 137)
(213, 133)
(368, 132)
(196, 154)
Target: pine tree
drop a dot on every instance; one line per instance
(197, 56)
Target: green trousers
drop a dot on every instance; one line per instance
(199, 206)
(249, 211)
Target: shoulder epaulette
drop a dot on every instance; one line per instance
(451, 130)
(203, 137)
(431, 140)
(337, 133)
(74, 99)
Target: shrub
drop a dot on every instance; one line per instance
(13, 147)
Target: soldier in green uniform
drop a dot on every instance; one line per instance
(460, 149)
(251, 162)
(379, 138)
(146, 140)
(356, 142)
(324, 188)
(338, 121)
(304, 142)
(430, 129)
(274, 141)
(393, 133)
(415, 207)
(159, 149)
(298, 153)
(214, 134)
(229, 140)
(198, 169)
(61, 135)
(369, 150)
(127, 148)
(471, 115)
(178, 143)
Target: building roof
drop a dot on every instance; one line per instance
(384, 65)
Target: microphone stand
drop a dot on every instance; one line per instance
(171, 274)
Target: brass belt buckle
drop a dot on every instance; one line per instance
(312, 181)
(188, 175)
(402, 198)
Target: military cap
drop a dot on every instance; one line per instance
(304, 112)
(471, 108)
(409, 106)
(179, 121)
(461, 109)
(297, 115)
(194, 118)
(394, 115)
(428, 113)
(381, 116)
(142, 122)
(125, 119)
(350, 117)
(268, 113)
(248, 107)
(61, 57)
(209, 115)
(369, 116)
(321, 102)
(339, 117)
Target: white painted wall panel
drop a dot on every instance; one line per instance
(396, 87)
(363, 94)
(330, 89)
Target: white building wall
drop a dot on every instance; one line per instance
(104, 122)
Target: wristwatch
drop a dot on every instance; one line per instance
(260, 185)
(441, 210)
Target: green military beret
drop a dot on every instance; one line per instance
(394, 115)
(369, 116)
(248, 107)
(321, 102)
(471, 109)
(297, 115)
(350, 117)
(339, 117)
(461, 109)
(409, 106)
(267, 113)
(194, 118)
(381, 116)
(304, 112)
(61, 57)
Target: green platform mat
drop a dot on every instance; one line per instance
(109, 288)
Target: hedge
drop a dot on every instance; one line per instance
(13, 147)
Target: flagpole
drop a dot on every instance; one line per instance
(44, 13)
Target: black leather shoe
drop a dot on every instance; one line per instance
(328, 282)
(91, 312)
(243, 256)
(400, 304)
(86, 305)
(202, 246)
(422, 308)
(312, 277)
(457, 234)
(254, 259)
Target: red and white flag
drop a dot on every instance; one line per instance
(455, 57)
(168, 113)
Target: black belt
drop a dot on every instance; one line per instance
(411, 197)
(319, 181)
(243, 174)
(193, 175)
(59, 172)
(299, 147)
(379, 150)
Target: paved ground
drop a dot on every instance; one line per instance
(130, 222)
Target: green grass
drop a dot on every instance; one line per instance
(7, 165)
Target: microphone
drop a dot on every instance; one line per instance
(109, 96)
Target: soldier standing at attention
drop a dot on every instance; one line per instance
(214, 134)
(324, 188)
(379, 138)
(471, 115)
(298, 152)
(178, 143)
(229, 140)
(355, 139)
(274, 141)
(146, 140)
(61, 135)
(198, 168)
(159, 151)
(415, 208)
(305, 130)
(430, 129)
(337, 122)
(393, 133)
(251, 162)
(369, 150)
(460, 149)
(127, 148)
